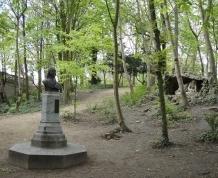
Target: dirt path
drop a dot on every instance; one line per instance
(129, 157)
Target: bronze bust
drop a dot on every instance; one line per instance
(50, 82)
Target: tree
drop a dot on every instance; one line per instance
(18, 9)
(205, 16)
(123, 55)
(159, 70)
(2, 90)
(174, 45)
(114, 23)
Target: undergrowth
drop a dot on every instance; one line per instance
(211, 135)
(26, 106)
(175, 113)
(135, 99)
(106, 111)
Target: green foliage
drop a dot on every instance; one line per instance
(162, 143)
(106, 111)
(212, 120)
(11, 110)
(137, 98)
(5, 170)
(25, 107)
(209, 136)
(208, 100)
(68, 116)
(174, 113)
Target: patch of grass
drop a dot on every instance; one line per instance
(136, 99)
(211, 135)
(162, 143)
(5, 170)
(212, 120)
(175, 114)
(25, 107)
(180, 117)
(208, 100)
(68, 116)
(208, 136)
(106, 111)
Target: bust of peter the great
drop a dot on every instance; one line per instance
(50, 82)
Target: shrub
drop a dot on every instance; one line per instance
(106, 111)
(212, 120)
(68, 116)
(136, 98)
(209, 136)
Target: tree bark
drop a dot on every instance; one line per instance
(25, 59)
(144, 46)
(159, 70)
(174, 45)
(198, 47)
(124, 57)
(114, 22)
(2, 91)
(94, 79)
(205, 18)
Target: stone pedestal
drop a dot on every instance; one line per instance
(48, 148)
(49, 133)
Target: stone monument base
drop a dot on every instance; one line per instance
(31, 157)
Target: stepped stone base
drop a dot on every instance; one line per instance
(31, 157)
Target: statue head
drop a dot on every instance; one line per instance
(51, 72)
(50, 83)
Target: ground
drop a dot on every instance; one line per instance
(131, 156)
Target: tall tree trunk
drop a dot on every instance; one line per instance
(25, 59)
(18, 11)
(194, 60)
(198, 47)
(15, 78)
(115, 67)
(2, 90)
(40, 56)
(144, 46)
(205, 18)
(158, 72)
(20, 91)
(124, 57)
(174, 45)
(94, 79)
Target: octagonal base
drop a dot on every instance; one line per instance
(31, 157)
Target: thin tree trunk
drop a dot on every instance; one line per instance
(115, 67)
(158, 72)
(21, 8)
(174, 45)
(2, 91)
(198, 48)
(144, 46)
(20, 92)
(40, 56)
(15, 78)
(94, 79)
(124, 57)
(25, 59)
(205, 18)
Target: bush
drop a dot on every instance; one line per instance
(137, 98)
(69, 116)
(212, 120)
(209, 136)
(106, 111)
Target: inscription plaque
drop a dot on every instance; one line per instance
(56, 110)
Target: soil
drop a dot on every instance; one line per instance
(130, 156)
